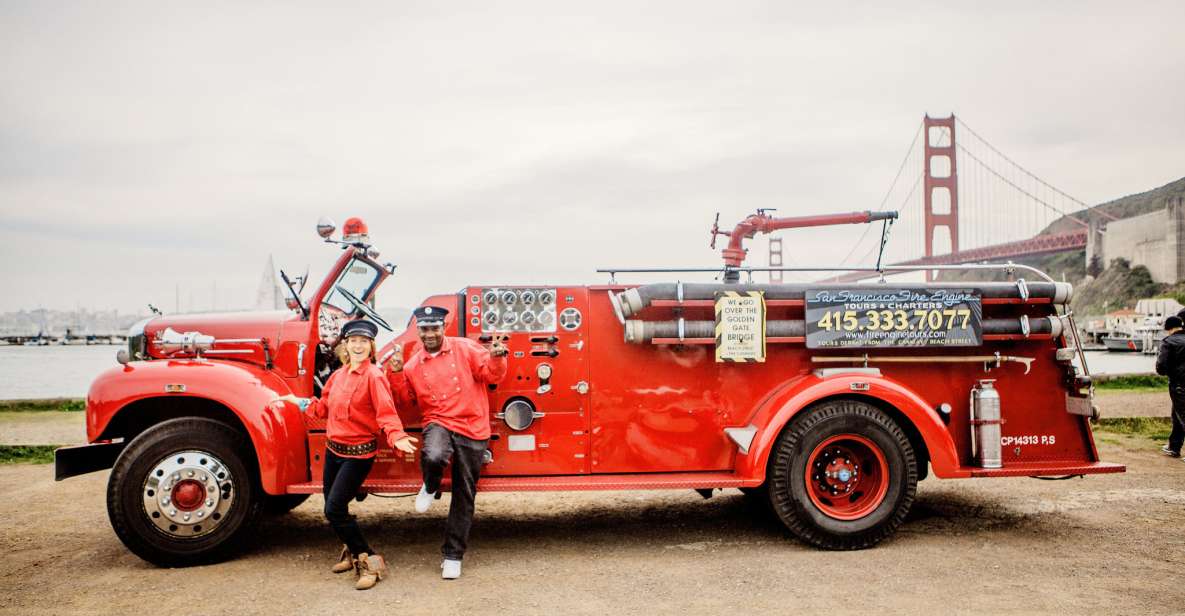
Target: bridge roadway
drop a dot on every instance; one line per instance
(1036, 245)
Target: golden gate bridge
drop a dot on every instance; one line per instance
(962, 200)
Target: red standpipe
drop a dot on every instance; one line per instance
(734, 253)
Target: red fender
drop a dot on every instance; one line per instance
(800, 393)
(277, 431)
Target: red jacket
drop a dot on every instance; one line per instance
(358, 403)
(450, 387)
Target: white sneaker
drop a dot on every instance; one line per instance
(450, 569)
(424, 499)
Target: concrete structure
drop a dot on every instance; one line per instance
(1158, 307)
(1155, 240)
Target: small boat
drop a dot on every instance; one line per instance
(1121, 342)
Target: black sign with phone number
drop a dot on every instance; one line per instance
(878, 318)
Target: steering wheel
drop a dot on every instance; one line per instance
(364, 309)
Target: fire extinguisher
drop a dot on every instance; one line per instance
(986, 449)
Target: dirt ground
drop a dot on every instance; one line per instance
(1119, 403)
(1100, 545)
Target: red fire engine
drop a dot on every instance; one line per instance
(828, 402)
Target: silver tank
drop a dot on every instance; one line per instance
(985, 425)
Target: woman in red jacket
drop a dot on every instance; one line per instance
(357, 400)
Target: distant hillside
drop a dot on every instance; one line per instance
(1120, 284)
(1123, 207)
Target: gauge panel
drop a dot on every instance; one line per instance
(516, 309)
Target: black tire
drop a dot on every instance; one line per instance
(283, 503)
(219, 455)
(811, 521)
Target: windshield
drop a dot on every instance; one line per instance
(358, 279)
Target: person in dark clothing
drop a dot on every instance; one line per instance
(1171, 363)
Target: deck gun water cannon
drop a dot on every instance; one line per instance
(762, 222)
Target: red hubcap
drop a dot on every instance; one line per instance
(847, 476)
(188, 495)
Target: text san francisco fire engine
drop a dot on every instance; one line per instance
(828, 401)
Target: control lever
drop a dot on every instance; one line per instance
(547, 353)
(546, 340)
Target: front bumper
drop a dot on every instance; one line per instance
(82, 459)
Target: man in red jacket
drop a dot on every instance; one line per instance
(447, 379)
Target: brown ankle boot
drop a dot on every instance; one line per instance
(346, 563)
(371, 569)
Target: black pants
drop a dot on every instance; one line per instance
(1177, 435)
(440, 446)
(342, 478)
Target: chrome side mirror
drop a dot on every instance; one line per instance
(325, 227)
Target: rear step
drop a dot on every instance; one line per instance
(1047, 469)
(650, 481)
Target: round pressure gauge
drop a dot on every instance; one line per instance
(508, 297)
(491, 318)
(527, 318)
(490, 298)
(528, 298)
(546, 298)
(509, 318)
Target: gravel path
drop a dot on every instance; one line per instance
(1114, 403)
(1100, 545)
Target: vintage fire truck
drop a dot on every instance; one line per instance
(826, 402)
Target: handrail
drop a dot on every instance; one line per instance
(1008, 267)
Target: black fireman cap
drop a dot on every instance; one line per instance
(360, 327)
(1173, 323)
(430, 316)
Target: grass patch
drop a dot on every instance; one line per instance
(1155, 428)
(1140, 382)
(47, 404)
(27, 454)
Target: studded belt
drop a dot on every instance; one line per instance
(342, 449)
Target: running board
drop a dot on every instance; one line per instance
(1046, 469)
(563, 483)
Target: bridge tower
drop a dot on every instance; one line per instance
(775, 258)
(941, 183)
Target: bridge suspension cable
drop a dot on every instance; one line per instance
(1032, 175)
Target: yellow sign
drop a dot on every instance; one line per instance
(740, 326)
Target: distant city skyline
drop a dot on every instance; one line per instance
(146, 148)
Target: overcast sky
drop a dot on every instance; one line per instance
(145, 147)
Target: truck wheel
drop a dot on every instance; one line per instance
(842, 476)
(184, 492)
(283, 503)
